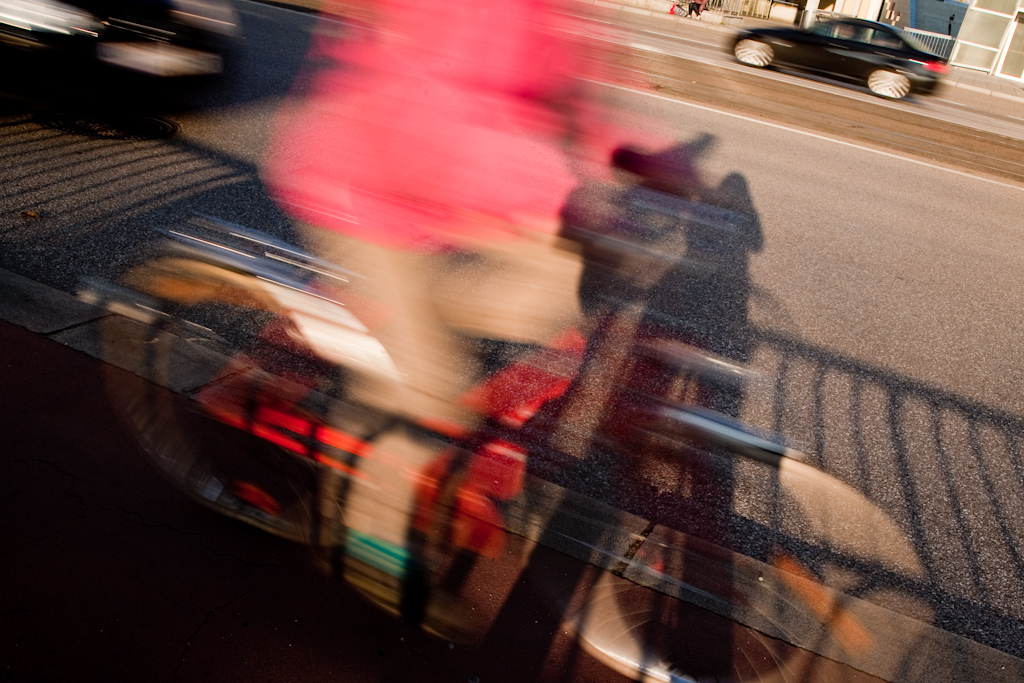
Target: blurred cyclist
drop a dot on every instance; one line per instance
(430, 152)
(431, 147)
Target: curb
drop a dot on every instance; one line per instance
(883, 643)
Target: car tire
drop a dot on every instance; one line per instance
(753, 52)
(889, 84)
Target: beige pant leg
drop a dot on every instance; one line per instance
(437, 369)
(436, 364)
(522, 290)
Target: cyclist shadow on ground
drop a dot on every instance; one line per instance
(695, 290)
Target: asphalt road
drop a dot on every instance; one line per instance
(882, 295)
(883, 306)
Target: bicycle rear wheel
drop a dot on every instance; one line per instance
(200, 411)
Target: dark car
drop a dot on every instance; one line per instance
(881, 57)
(158, 38)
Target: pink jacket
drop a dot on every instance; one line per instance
(442, 107)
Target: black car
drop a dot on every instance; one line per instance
(157, 38)
(881, 57)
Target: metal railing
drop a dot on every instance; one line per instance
(725, 7)
(760, 9)
(936, 43)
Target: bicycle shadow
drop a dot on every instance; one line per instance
(695, 291)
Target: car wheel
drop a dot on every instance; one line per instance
(754, 52)
(889, 84)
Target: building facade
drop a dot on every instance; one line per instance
(942, 17)
(938, 16)
(992, 38)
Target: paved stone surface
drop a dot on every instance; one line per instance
(40, 308)
(125, 343)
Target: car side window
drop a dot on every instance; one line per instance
(858, 34)
(843, 31)
(838, 29)
(885, 39)
(825, 28)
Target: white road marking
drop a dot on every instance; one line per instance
(680, 38)
(813, 135)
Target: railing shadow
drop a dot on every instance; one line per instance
(96, 199)
(946, 468)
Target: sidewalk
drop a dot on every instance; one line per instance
(982, 83)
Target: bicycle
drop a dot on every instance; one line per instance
(270, 439)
